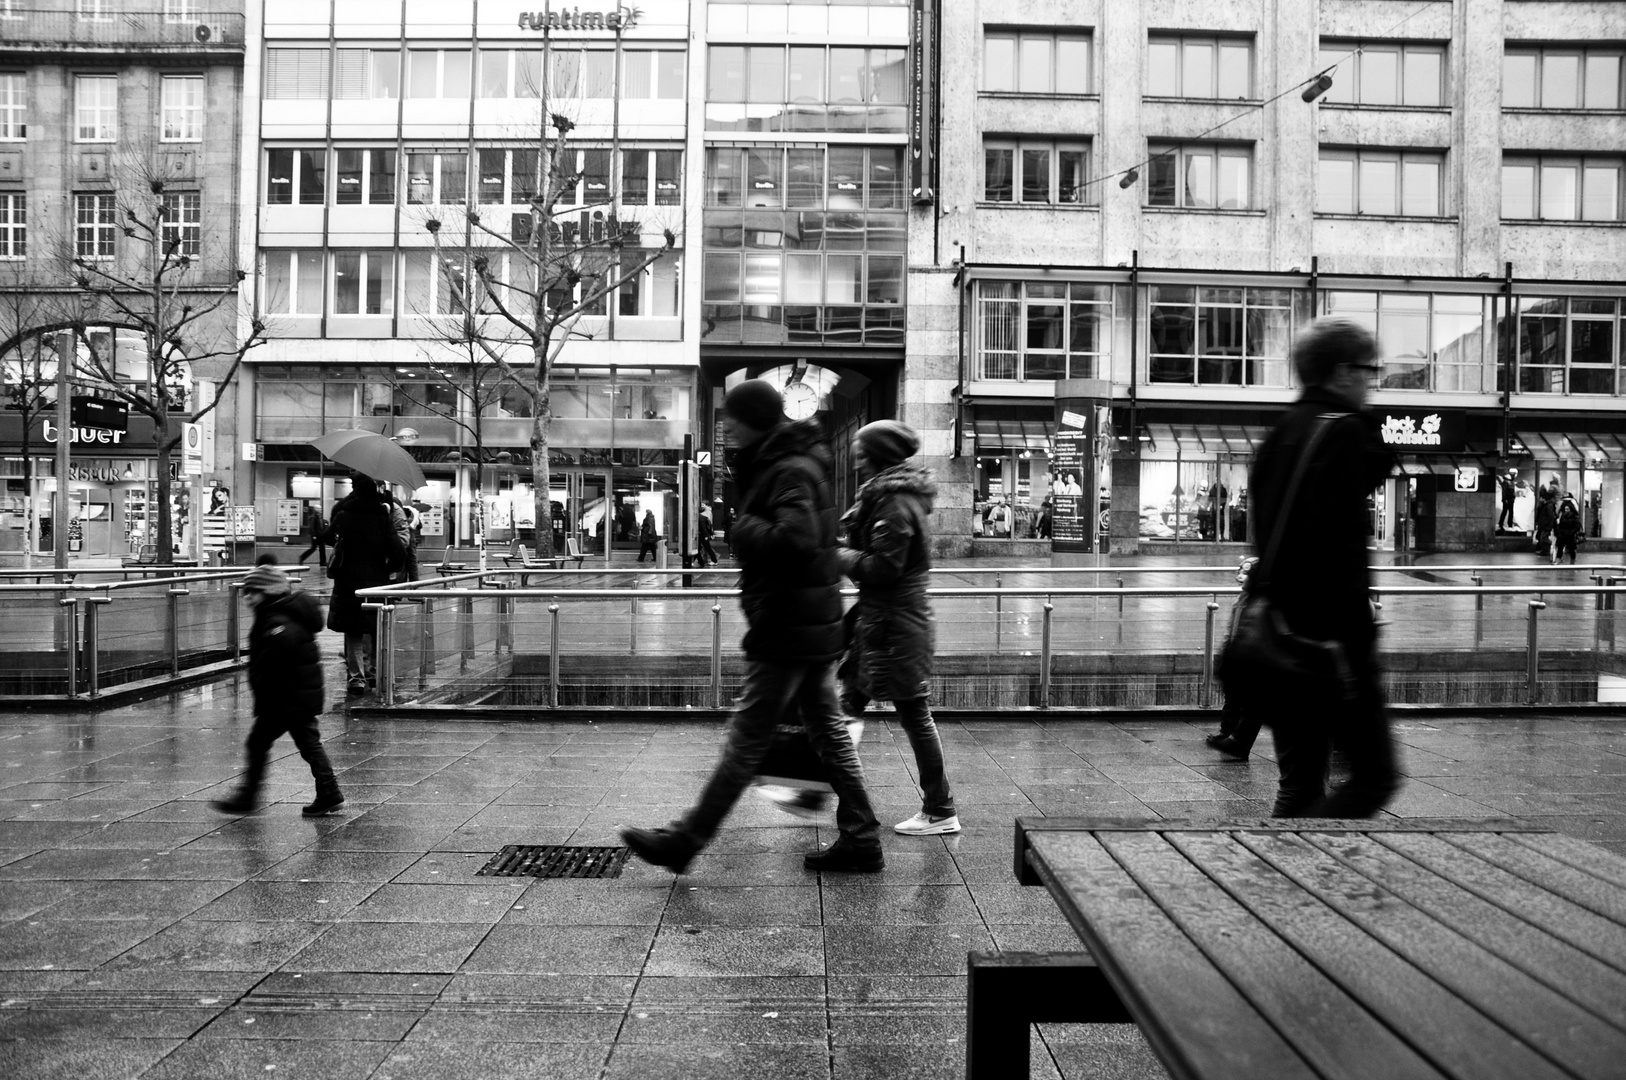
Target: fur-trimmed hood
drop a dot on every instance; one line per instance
(905, 478)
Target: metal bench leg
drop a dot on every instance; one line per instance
(1008, 992)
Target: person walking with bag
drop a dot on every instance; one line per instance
(1310, 483)
(369, 547)
(285, 674)
(1566, 529)
(887, 554)
(647, 537)
(790, 590)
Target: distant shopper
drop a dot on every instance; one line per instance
(790, 578)
(1319, 579)
(1239, 723)
(1546, 518)
(1047, 521)
(1566, 529)
(368, 550)
(316, 527)
(999, 518)
(708, 554)
(1510, 492)
(888, 555)
(647, 537)
(285, 675)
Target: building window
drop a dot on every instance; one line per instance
(1033, 331)
(364, 177)
(93, 225)
(1567, 345)
(515, 73)
(1382, 182)
(1384, 73)
(296, 176)
(13, 91)
(362, 283)
(806, 88)
(366, 73)
(180, 11)
(1567, 78)
(1198, 67)
(183, 222)
(1200, 176)
(806, 177)
(1218, 336)
(182, 108)
(638, 166)
(656, 291)
(804, 278)
(13, 225)
(1427, 341)
(434, 178)
(296, 74)
(427, 285)
(1561, 188)
(1035, 63)
(1035, 171)
(293, 282)
(94, 10)
(96, 108)
(652, 74)
(438, 73)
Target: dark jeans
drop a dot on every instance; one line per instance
(916, 718)
(766, 694)
(1239, 721)
(708, 554)
(307, 737)
(644, 548)
(1308, 723)
(316, 545)
(1505, 520)
(1566, 545)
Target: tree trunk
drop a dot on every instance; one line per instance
(161, 443)
(541, 469)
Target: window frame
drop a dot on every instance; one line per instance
(1252, 369)
(1347, 55)
(1401, 158)
(13, 106)
(366, 174)
(183, 220)
(1583, 54)
(93, 10)
(1055, 39)
(185, 116)
(296, 262)
(1015, 145)
(408, 91)
(180, 11)
(296, 175)
(1219, 43)
(103, 115)
(1010, 302)
(95, 239)
(1183, 153)
(1540, 164)
(368, 259)
(13, 225)
(437, 179)
(1568, 318)
(308, 76)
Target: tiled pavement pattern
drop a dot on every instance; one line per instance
(143, 935)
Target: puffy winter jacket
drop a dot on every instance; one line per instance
(888, 554)
(284, 664)
(785, 540)
(371, 534)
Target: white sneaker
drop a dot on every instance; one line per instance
(923, 824)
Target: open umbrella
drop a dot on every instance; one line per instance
(376, 455)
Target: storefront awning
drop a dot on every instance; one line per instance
(1003, 434)
(1435, 464)
(1573, 445)
(1206, 438)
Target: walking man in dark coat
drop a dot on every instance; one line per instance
(785, 541)
(285, 674)
(369, 537)
(888, 555)
(1320, 581)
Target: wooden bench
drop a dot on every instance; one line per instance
(1340, 950)
(147, 555)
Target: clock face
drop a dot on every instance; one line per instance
(801, 401)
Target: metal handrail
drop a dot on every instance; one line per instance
(236, 574)
(392, 593)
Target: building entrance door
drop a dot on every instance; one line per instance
(587, 514)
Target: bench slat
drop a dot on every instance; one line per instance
(1579, 854)
(1195, 1019)
(1324, 1020)
(1578, 886)
(1475, 1015)
(1583, 979)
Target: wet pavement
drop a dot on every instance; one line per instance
(144, 935)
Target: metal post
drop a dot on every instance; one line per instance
(234, 624)
(1479, 610)
(93, 607)
(1120, 594)
(1208, 657)
(175, 628)
(717, 654)
(72, 636)
(1532, 685)
(505, 624)
(1044, 659)
(999, 608)
(384, 662)
(553, 655)
(465, 611)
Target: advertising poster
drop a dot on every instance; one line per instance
(1079, 458)
(290, 517)
(1069, 515)
(240, 523)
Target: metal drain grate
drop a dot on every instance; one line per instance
(555, 861)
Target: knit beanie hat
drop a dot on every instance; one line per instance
(756, 404)
(887, 442)
(269, 580)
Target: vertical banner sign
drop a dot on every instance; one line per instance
(919, 37)
(1069, 460)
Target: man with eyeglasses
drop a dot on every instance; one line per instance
(1319, 579)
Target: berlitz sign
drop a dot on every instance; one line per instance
(84, 435)
(577, 19)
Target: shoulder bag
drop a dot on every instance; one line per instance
(1262, 649)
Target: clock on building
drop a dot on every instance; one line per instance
(801, 399)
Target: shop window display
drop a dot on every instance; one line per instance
(1194, 501)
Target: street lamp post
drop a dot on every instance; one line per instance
(64, 450)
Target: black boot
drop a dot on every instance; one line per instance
(845, 857)
(326, 803)
(660, 847)
(243, 801)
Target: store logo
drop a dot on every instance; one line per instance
(1406, 431)
(84, 435)
(577, 19)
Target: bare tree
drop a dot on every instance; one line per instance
(24, 374)
(557, 272)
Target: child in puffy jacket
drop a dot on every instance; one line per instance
(285, 674)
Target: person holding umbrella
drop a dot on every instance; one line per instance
(368, 539)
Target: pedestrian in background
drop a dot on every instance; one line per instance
(317, 529)
(1566, 529)
(888, 555)
(1510, 492)
(368, 549)
(790, 590)
(1319, 580)
(1239, 724)
(647, 537)
(1546, 517)
(708, 554)
(285, 677)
